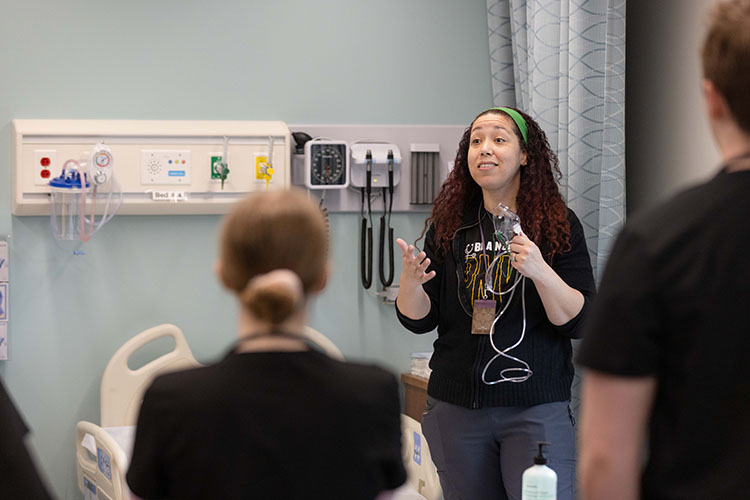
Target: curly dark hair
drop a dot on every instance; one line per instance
(543, 213)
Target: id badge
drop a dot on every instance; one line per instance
(484, 315)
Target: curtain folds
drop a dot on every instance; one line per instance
(563, 62)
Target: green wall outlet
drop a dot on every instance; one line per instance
(215, 173)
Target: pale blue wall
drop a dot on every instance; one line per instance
(328, 61)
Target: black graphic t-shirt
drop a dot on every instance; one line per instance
(477, 259)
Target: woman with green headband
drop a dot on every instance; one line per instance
(501, 369)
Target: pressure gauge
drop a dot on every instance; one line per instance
(102, 158)
(326, 164)
(101, 163)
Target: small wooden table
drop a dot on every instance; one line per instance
(415, 395)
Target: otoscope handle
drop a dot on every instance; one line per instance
(366, 254)
(386, 282)
(390, 171)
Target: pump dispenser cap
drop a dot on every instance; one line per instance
(541, 459)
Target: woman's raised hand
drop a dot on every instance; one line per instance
(413, 266)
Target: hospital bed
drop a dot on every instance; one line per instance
(102, 461)
(102, 451)
(420, 470)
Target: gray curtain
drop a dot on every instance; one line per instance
(563, 62)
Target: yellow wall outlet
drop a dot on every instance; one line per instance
(260, 166)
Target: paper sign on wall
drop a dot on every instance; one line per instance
(3, 341)
(3, 297)
(3, 261)
(3, 302)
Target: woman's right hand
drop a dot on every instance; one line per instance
(412, 300)
(413, 267)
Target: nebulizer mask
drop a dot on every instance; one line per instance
(507, 224)
(75, 193)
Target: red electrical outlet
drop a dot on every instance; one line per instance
(44, 158)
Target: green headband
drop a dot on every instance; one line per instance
(519, 120)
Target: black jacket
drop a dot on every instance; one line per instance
(19, 478)
(460, 357)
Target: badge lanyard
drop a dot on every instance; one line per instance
(484, 309)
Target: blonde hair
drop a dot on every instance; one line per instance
(270, 231)
(726, 56)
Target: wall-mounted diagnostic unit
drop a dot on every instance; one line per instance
(421, 158)
(368, 161)
(162, 167)
(326, 164)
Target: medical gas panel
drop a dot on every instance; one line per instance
(161, 167)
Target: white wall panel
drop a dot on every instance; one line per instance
(141, 151)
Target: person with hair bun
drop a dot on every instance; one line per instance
(494, 392)
(274, 419)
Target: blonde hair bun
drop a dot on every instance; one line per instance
(273, 296)
(268, 231)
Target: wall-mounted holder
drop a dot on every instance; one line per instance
(425, 173)
(379, 164)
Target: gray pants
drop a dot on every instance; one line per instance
(481, 454)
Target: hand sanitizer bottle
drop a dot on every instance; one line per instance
(539, 482)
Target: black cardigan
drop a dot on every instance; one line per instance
(459, 356)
